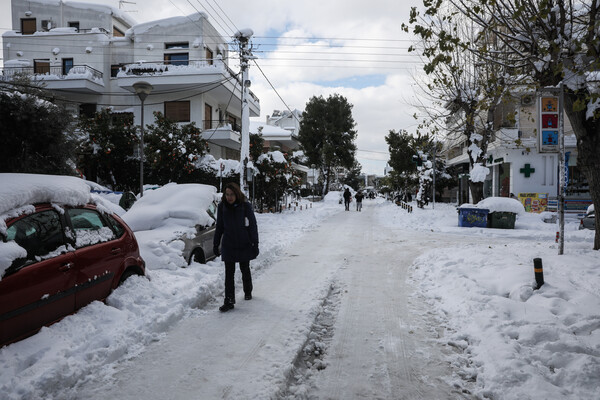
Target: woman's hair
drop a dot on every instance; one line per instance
(234, 187)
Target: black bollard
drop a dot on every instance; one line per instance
(539, 272)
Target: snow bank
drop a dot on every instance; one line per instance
(514, 341)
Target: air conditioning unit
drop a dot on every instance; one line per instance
(527, 100)
(46, 25)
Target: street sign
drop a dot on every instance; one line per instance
(548, 124)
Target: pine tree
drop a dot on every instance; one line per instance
(327, 135)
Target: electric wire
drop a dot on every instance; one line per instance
(275, 90)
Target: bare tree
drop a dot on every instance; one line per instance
(465, 89)
(548, 42)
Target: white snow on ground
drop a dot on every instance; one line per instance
(513, 342)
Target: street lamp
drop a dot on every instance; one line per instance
(142, 89)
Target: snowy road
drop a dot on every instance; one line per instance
(333, 318)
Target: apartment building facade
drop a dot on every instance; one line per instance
(90, 57)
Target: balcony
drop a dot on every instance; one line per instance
(200, 76)
(222, 133)
(79, 78)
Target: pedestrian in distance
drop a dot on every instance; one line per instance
(347, 199)
(359, 198)
(237, 235)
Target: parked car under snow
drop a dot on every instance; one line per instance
(60, 249)
(175, 224)
(589, 219)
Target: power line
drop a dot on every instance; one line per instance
(217, 4)
(275, 90)
(231, 31)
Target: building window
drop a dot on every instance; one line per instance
(28, 26)
(74, 24)
(67, 64)
(41, 66)
(177, 59)
(177, 111)
(117, 32)
(209, 56)
(87, 110)
(207, 116)
(180, 45)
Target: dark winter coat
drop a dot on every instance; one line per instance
(236, 226)
(359, 197)
(347, 195)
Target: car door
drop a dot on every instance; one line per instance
(209, 232)
(40, 288)
(98, 255)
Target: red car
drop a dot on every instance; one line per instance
(66, 258)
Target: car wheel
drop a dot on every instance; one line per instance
(198, 256)
(126, 275)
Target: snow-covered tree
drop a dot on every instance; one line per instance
(554, 42)
(464, 91)
(327, 135)
(35, 133)
(172, 150)
(105, 150)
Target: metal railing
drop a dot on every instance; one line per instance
(9, 72)
(160, 67)
(212, 124)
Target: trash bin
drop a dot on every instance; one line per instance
(501, 220)
(473, 217)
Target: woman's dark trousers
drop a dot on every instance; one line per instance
(230, 282)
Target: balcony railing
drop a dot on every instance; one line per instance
(216, 125)
(179, 67)
(52, 72)
(173, 67)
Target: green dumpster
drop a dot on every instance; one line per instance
(501, 220)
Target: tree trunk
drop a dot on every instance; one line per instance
(587, 132)
(327, 180)
(476, 191)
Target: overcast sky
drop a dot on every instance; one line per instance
(310, 48)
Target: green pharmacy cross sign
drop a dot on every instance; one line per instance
(527, 170)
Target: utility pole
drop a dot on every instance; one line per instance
(245, 49)
(434, 153)
(562, 186)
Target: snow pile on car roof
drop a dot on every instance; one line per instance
(17, 190)
(171, 205)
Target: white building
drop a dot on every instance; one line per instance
(290, 121)
(523, 156)
(90, 56)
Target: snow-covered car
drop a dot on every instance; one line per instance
(175, 224)
(59, 250)
(589, 219)
(122, 199)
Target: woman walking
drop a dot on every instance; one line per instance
(236, 226)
